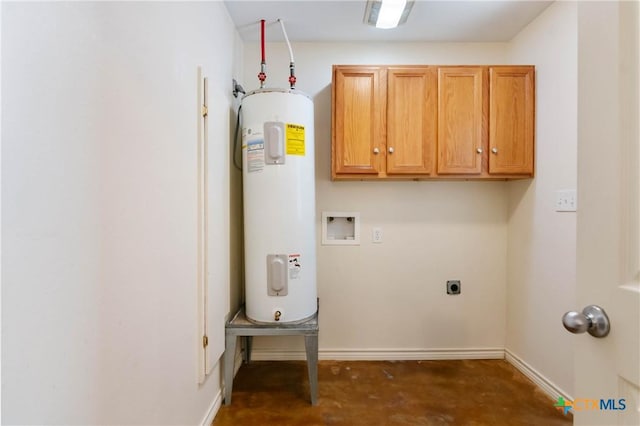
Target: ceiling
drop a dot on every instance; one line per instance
(327, 20)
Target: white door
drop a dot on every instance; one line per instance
(608, 231)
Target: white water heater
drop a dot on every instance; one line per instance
(279, 206)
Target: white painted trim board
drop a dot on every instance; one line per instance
(217, 403)
(213, 410)
(379, 354)
(541, 381)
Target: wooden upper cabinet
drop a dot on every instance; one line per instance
(433, 122)
(411, 120)
(511, 126)
(358, 120)
(460, 120)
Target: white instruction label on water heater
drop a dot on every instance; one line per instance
(294, 266)
(255, 156)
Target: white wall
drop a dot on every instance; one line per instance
(389, 300)
(541, 277)
(99, 208)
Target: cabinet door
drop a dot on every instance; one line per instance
(460, 120)
(511, 123)
(359, 121)
(411, 120)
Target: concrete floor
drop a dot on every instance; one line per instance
(468, 392)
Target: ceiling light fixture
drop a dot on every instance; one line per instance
(387, 13)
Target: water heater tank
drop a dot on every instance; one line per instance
(279, 206)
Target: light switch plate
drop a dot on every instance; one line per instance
(566, 200)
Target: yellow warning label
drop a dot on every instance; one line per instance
(295, 139)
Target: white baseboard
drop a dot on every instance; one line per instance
(546, 385)
(213, 410)
(380, 354)
(217, 402)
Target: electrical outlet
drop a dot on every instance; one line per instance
(376, 235)
(454, 287)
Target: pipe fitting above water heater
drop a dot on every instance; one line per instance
(262, 75)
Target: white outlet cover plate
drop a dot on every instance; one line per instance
(376, 235)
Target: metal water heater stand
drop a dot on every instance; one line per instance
(240, 326)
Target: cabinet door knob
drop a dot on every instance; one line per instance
(479, 150)
(376, 151)
(494, 150)
(390, 150)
